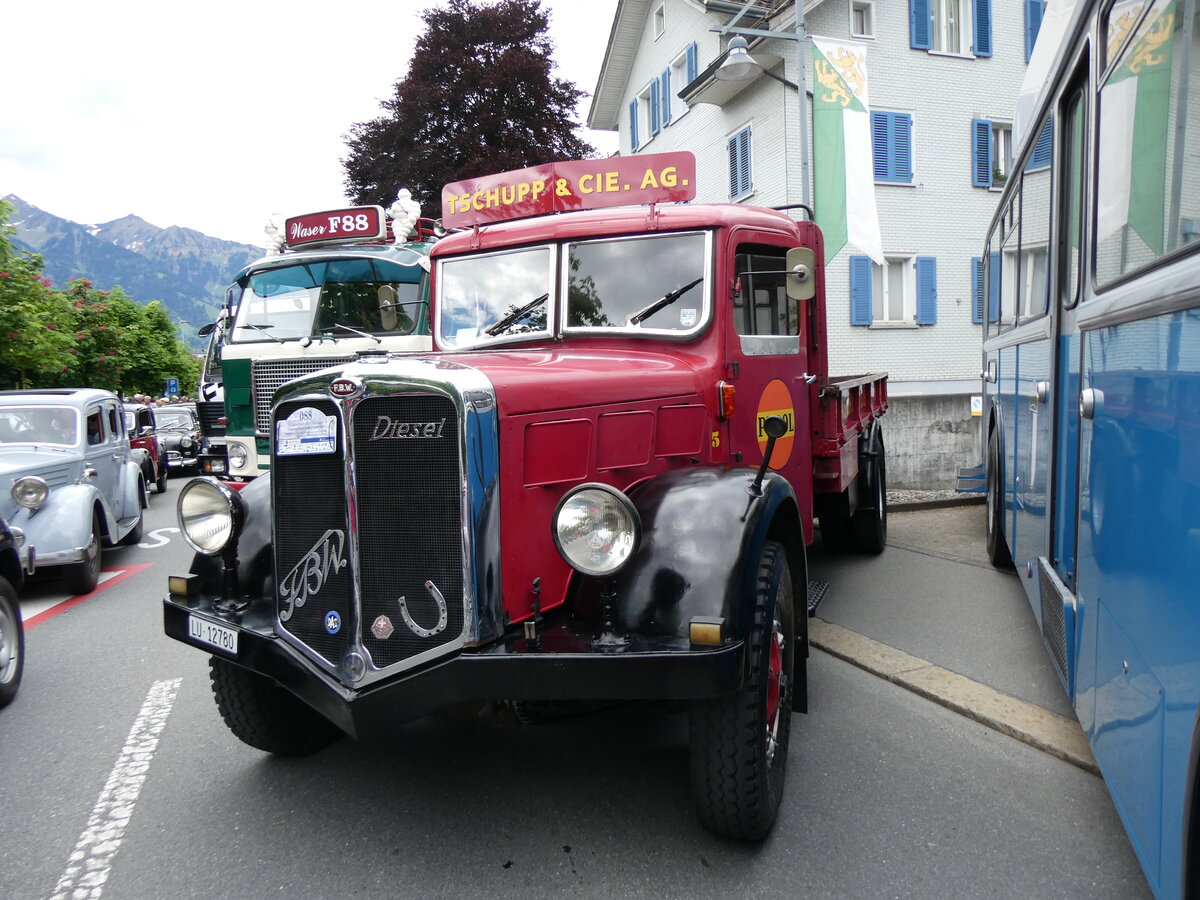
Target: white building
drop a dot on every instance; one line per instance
(943, 79)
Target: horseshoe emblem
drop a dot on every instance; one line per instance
(443, 614)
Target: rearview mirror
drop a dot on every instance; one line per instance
(801, 274)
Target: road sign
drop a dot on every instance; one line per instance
(173, 386)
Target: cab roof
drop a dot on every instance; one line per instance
(614, 221)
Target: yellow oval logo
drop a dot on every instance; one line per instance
(776, 401)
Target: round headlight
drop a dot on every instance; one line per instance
(596, 529)
(237, 456)
(30, 491)
(210, 515)
(186, 443)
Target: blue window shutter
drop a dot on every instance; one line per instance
(902, 147)
(739, 164)
(977, 289)
(880, 145)
(655, 107)
(692, 66)
(664, 93)
(994, 286)
(633, 130)
(983, 27)
(860, 290)
(926, 290)
(920, 24)
(981, 153)
(1034, 11)
(1041, 153)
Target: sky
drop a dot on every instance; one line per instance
(216, 115)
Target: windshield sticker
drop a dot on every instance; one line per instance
(305, 431)
(687, 318)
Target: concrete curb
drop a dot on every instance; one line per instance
(1027, 722)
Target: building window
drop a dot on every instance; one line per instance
(891, 146)
(862, 19)
(660, 21)
(903, 291)
(961, 27)
(678, 75)
(740, 183)
(991, 153)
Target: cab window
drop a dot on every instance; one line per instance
(763, 314)
(95, 427)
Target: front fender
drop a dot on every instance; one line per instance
(702, 534)
(255, 559)
(64, 521)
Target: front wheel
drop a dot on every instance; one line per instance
(160, 484)
(264, 715)
(12, 643)
(739, 742)
(82, 577)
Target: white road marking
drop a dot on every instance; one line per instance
(90, 862)
(30, 608)
(159, 535)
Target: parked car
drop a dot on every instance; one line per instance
(13, 552)
(142, 425)
(68, 480)
(179, 436)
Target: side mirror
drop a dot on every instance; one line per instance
(801, 273)
(205, 330)
(146, 431)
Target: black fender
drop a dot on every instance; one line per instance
(256, 565)
(702, 534)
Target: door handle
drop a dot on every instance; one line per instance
(1091, 401)
(1042, 391)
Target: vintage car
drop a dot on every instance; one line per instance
(68, 480)
(13, 552)
(179, 436)
(142, 425)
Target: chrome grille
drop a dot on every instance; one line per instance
(267, 375)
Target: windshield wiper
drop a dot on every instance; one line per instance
(263, 329)
(373, 337)
(666, 300)
(515, 315)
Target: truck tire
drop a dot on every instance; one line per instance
(12, 643)
(739, 742)
(82, 578)
(997, 547)
(264, 715)
(868, 525)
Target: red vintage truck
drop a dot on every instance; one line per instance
(601, 485)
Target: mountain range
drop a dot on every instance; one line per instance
(185, 269)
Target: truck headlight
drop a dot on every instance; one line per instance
(211, 515)
(596, 529)
(237, 456)
(30, 491)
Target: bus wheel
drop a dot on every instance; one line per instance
(739, 742)
(997, 547)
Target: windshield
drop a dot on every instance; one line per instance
(39, 425)
(335, 298)
(645, 285)
(173, 418)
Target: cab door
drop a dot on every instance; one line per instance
(767, 358)
(103, 452)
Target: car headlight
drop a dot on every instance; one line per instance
(30, 491)
(596, 529)
(185, 444)
(237, 456)
(211, 515)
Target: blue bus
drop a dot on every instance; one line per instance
(1088, 292)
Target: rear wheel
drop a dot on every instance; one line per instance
(264, 715)
(739, 742)
(82, 577)
(997, 547)
(12, 643)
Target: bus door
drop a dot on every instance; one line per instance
(765, 348)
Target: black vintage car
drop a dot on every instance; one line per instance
(12, 634)
(179, 434)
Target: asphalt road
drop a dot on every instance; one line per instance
(118, 778)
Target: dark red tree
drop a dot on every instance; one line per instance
(480, 97)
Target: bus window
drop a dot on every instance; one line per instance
(1035, 227)
(1072, 201)
(1010, 250)
(1138, 182)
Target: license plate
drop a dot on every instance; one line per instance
(214, 635)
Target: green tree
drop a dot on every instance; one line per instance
(33, 344)
(480, 97)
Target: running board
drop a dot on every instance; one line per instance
(816, 593)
